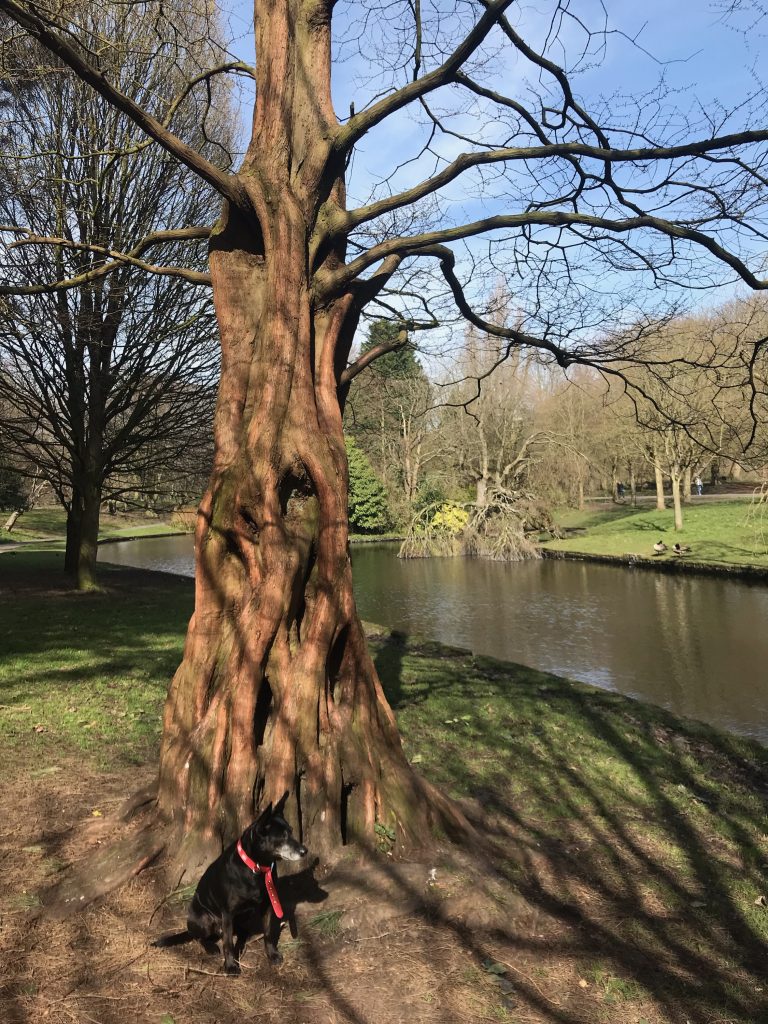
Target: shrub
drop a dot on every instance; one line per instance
(368, 508)
(450, 517)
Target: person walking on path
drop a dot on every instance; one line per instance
(699, 485)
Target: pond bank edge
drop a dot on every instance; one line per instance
(675, 564)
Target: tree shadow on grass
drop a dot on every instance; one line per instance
(637, 838)
(78, 668)
(613, 845)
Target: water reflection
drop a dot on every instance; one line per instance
(695, 645)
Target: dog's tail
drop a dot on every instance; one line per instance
(173, 939)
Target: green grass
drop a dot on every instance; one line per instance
(637, 827)
(50, 524)
(327, 923)
(727, 532)
(35, 524)
(641, 839)
(374, 538)
(87, 672)
(156, 528)
(611, 988)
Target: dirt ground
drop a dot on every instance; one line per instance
(379, 942)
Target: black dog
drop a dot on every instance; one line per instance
(240, 885)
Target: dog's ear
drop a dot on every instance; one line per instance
(280, 805)
(264, 817)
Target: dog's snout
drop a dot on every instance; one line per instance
(291, 850)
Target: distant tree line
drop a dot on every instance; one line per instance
(508, 428)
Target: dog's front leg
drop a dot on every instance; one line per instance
(231, 966)
(272, 937)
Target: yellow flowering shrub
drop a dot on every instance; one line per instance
(451, 518)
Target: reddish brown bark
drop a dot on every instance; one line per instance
(277, 690)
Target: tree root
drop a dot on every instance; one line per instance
(104, 869)
(100, 873)
(447, 813)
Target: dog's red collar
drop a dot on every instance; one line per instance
(268, 879)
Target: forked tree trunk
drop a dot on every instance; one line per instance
(277, 690)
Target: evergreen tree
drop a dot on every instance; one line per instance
(368, 509)
(400, 362)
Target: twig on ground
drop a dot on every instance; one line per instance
(530, 981)
(98, 995)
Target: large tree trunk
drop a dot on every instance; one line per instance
(89, 538)
(277, 690)
(83, 534)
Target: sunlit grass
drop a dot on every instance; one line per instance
(727, 532)
(50, 524)
(627, 779)
(86, 672)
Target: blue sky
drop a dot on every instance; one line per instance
(707, 63)
(701, 53)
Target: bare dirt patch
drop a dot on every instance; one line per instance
(427, 943)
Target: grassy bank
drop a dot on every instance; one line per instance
(718, 533)
(637, 842)
(49, 527)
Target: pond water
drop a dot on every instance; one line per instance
(697, 645)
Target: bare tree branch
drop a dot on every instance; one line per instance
(359, 124)
(415, 244)
(119, 259)
(28, 18)
(345, 222)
